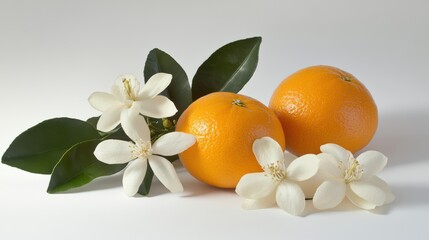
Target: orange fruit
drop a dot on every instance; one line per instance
(225, 126)
(323, 104)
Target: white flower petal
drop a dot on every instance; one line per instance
(113, 151)
(337, 151)
(383, 186)
(255, 186)
(369, 192)
(329, 194)
(265, 202)
(329, 165)
(173, 143)
(303, 167)
(310, 186)
(134, 109)
(289, 197)
(135, 126)
(288, 158)
(103, 101)
(155, 85)
(372, 162)
(165, 172)
(157, 107)
(357, 201)
(110, 119)
(267, 151)
(133, 176)
(116, 92)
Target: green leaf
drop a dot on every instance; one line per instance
(79, 166)
(144, 188)
(93, 121)
(39, 148)
(118, 134)
(228, 69)
(179, 90)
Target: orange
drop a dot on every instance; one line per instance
(225, 126)
(323, 104)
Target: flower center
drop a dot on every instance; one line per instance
(141, 149)
(128, 89)
(353, 172)
(275, 170)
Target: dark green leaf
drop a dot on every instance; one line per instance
(79, 166)
(39, 148)
(228, 69)
(117, 134)
(179, 90)
(93, 121)
(147, 182)
(172, 158)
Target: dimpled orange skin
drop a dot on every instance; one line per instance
(323, 104)
(225, 132)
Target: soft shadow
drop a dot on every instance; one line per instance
(156, 188)
(194, 187)
(344, 206)
(402, 137)
(410, 196)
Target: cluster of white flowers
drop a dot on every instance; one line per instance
(126, 105)
(346, 177)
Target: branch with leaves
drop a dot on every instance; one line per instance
(64, 147)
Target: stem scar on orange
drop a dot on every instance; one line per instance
(225, 126)
(323, 104)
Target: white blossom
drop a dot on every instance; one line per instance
(278, 182)
(351, 177)
(140, 152)
(127, 97)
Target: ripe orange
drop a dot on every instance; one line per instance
(225, 126)
(323, 104)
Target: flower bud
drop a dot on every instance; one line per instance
(166, 123)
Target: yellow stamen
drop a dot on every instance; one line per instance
(353, 172)
(275, 170)
(142, 149)
(127, 86)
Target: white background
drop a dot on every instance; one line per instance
(53, 54)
